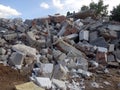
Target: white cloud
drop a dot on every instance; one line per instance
(6, 11)
(63, 6)
(58, 4)
(44, 5)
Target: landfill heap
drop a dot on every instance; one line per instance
(59, 53)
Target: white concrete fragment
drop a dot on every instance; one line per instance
(102, 49)
(25, 49)
(111, 47)
(47, 69)
(43, 82)
(84, 35)
(60, 84)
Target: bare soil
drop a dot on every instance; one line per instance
(10, 77)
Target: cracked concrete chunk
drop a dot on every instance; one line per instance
(84, 35)
(24, 49)
(17, 58)
(100, 42)
(60, 72)
(43, 82)
(60, 84)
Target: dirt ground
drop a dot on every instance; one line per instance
(113, 78)
(10, 77)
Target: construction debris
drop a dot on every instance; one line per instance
(58, 52)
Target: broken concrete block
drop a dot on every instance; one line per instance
(10, 37)
(47, 69)
(84, 73)
(117, 55)
(93, 36)
(21, 28)
(60, 84)
(59, 55)
(102, 49)
(110, 58)
(84, 35)
(71, 36)
(4, 58)
(65, 47)
(17, 58)
(111, 47)
(100, 42)
(78, 23)
(35, 43)
(29, 60)
(82, 63)
(63, 29)
(43, 82)
(44, 59)
(2, 51)
(95, 85)
(114, 27)
(28, 86)
(60, 72)
(24, 49)
(95, 25)
(113, 34)
(2, 42)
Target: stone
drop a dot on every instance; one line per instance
(47, 69)
(100, 42)
(10, 37)
(28, 86)
(95, 25)
(65, 47)
(117, 55)
(84, 73)
(82, 63)
(114, 27)
(71, 36)
(110, 58)
(35, 43)
(59, 72)
(95, 85)
(43, 82)
(63, 29)
(24, 49)
(78, 23)
(111, 47)
(107, 83)
(4, 57)
(102, 49)
(59, 55)
(113, 34)
(17, 58)
(84, 35)
(2, 51)
(2, 42)
(60, 84)
(21, 28)
(93, 36)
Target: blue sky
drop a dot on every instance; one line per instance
(28, 9)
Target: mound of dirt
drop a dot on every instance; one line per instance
(10, 77)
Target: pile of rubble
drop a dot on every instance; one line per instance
(58, 53)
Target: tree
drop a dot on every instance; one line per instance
(115, 13)
(84, 8)
(99, 8)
